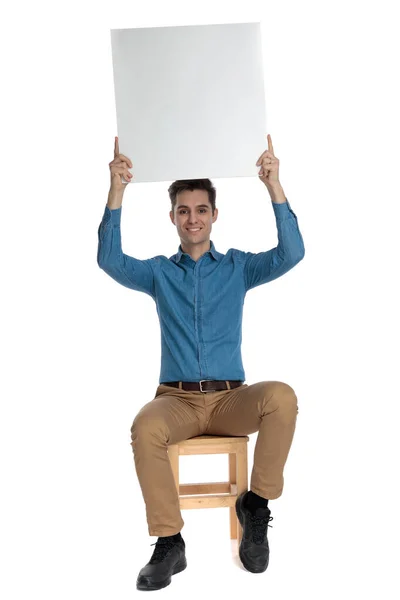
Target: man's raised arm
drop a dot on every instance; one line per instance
(128, 271)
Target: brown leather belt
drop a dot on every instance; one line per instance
(205, 385)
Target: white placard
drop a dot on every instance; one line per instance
(190, 100)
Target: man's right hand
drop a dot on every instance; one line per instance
(118, 168)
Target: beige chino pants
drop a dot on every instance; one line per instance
(269, 407)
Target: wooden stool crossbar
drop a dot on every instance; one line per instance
(219, 494)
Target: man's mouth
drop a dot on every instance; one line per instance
(194, 229)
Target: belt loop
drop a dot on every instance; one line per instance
(228, 384)
(180, 385)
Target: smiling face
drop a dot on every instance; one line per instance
(193, 211)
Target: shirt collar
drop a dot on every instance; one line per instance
(212, 251)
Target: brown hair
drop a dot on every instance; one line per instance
(192, 184)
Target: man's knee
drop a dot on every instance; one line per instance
(283, 395)
(146, 425)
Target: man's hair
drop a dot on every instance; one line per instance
(192, 184)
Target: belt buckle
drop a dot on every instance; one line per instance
(201, 389)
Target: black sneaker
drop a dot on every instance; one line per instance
(254, 547)
(168, 559)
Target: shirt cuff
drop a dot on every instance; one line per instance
(113, 215)
(282, 210)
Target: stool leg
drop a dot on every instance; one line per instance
(232, 511)
(241, 480)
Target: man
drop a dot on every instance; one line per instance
(199, 295)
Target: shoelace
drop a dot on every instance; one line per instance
(162, 548)
(258, 527)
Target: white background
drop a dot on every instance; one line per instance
(80, 353)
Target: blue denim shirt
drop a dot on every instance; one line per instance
(200, 303)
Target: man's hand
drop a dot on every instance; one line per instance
(269, 171)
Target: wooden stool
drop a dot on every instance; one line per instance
(214, 495)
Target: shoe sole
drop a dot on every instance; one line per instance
(147, 584)
(249, 567)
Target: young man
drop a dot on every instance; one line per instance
(199, 295)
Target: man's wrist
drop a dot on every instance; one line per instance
(115, 200)
(277, 194)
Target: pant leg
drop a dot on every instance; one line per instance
(172, 416)
(269, 407)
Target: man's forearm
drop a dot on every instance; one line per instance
(115, 199)
(277, 194)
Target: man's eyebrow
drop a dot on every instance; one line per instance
(197, 206)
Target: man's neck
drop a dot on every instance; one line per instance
(196, 251)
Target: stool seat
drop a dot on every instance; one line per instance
(221, 494)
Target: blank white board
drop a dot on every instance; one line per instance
(190, 100)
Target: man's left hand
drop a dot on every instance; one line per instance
(269, 171)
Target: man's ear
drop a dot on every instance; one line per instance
(215, 215)
(171, 216)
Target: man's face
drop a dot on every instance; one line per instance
(193, 211)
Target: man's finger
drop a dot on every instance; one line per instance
(270, 146)
(116, 147)
(126, 159)
(265, 153)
